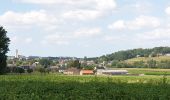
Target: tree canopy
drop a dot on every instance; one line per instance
(4, 42)
(128, 54)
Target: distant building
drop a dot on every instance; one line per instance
(167, 54)
(11, 57)
(86, 72)
(26, 67)
(16, 53)
(111, 72)
(61, 69)
(90, 62)
(72, 71)
(54, 68)
(137, 56)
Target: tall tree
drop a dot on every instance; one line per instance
(4, 42)
(45, 62)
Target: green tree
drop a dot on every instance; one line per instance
(45, 62)
(4, 42)
(29, 70)
(74, 63)
(114, 63)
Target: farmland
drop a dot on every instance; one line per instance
(146, 71)
(160, 58)
(57, 87)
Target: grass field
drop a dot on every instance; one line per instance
(146, 71)
(161, 58)
(58, 87)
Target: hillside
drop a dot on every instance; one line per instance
(145, 59)
(129, 54)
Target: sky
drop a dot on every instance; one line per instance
(84, 27)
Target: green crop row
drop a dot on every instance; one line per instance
(54, 87)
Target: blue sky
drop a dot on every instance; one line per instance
(84, 27)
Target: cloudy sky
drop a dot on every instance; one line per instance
(84, 27)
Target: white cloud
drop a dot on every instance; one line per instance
(97, 4)
(157, 34)
(79, 9)
(142, 7)
(14, 39)
(28, 40)
(52, 2)
(138, 23)
(87, 32)
(56, 39)
(20, 40)
(27, 19)
(82, 14)
(119, 25)
(95, 9)
(167, 10)
(66, 39)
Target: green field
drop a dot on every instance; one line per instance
(58, 87)
(161, 58)
(146, 71)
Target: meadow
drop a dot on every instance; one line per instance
(146, 71)
(160, 58)
(60, 87)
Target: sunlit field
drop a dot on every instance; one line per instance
(58, 87)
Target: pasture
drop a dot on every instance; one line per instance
(60, 87)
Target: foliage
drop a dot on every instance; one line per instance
(128, 54)
(74, 63)
(18, 70)
(52, 87)
(4, 42)
(45, 62)
(89, 67)
(29, 70)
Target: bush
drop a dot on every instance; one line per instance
(7, 70)
(18, 70)
(29, 70)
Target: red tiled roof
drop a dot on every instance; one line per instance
(87, 71)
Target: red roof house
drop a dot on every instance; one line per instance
(86, 72)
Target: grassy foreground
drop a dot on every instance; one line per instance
(55, 87)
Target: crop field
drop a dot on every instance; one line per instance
(160, 58)
(146, 71)
(58, 87)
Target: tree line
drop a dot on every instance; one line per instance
(128, 54)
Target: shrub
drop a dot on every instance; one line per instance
(18, 70)
(29, 70)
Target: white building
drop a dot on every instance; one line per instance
(111, 72)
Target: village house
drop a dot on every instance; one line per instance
(72, 71)
(168, 54)
(61, 69)
(86, 72)
(26, 67)
(54, 68)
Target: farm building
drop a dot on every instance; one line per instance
(54, 68)
(111, 72)
(72, 71)
(86, 72)
(26, 67)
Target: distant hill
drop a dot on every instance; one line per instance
(129, 54)
(145, 59)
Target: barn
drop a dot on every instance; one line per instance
(111, 72)
(86, 72)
